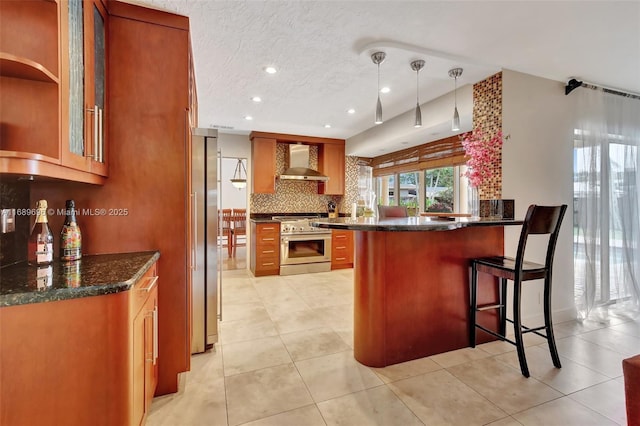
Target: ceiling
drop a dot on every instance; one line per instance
(322, 51)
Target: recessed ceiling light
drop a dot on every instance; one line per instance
(385, 90)
(270, 70)
(327, 126)
(351, 111)
(256, 99)
(248, 117)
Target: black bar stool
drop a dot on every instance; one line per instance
(539, 220)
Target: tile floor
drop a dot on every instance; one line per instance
(285, 358)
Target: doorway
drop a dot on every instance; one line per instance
(233, 207)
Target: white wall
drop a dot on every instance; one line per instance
(537, 168)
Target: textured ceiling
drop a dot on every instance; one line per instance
(322, 51)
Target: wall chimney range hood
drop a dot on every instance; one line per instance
(299, 168)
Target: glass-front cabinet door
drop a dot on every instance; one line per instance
(87, 40)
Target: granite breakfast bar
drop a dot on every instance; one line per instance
(411, 295)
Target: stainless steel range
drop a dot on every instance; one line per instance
(303, 248)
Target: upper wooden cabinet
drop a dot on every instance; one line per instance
(331, 162)
(263, 165)
(52, 57)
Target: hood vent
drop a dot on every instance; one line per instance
(299, 165)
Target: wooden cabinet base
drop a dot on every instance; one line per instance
(412, 292)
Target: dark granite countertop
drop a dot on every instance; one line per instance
(408, 223)
(90, 276)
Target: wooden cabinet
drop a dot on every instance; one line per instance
(263, 165)
(84, 123)
(265, 248)
(87, 361)
(34, 82)
(144, 311)
(331, 162)
(341, 249)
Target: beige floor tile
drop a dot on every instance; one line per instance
(631, 328)
(274, 292)
(572, 377)
(614, 340)
(313, 343)
(253, 355)
(246, 311)
(504, 386)
(507, 421)
(338, 317)
(439, 398)
(200, 404)
(572, 328)
(370, 407)
(287, 304)
(346, 334)
(307, 416)
(241, 292)
(288, 322)
(335, 375)
(595, 357)
(460, 356)
(404, 370)
(246, 329)
(564, 412)
(262, 393)
(499, 347)
(606, 398)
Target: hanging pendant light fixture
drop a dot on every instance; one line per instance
(417, 66)
(378, 58)
(238, 181)
(455, 122)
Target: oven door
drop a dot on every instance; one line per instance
(297, 249)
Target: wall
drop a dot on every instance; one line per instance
(537, 167)
(234, 147)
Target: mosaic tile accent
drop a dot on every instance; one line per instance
(487, 116)
(292, 196)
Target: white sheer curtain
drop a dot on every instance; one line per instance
(606, 205)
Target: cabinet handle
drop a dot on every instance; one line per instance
(95, 121)
(268, 228)
(155, 334)
(96, 114)
(340, 236)
(341, 258)
(268, 239)
(268, 264)
(194, 227)
(341, 247)
(100, 153)
(152, 283)
(267, 251)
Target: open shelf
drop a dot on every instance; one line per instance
(17, 67)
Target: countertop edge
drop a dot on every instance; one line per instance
(409, 224)
(68, 293)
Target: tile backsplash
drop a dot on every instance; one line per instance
(13, 245)
(292, 196)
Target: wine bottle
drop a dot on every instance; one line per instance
(40, 244)
(70, 236)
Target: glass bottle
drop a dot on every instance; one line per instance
(70, 235)
(40, 245)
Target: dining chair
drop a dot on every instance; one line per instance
(540, 220)
(392, 211)
(239, 222)
(226, 230)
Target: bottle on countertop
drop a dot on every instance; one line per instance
(40, 245)
(70, 235)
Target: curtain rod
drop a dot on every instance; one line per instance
(574, 84)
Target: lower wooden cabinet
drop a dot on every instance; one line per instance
(144, 344)
(265, 248)
(84, 361)
(341, 249)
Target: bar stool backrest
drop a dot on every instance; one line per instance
(538, 221)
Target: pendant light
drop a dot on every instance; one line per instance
(378, 58)
(455, 122)
(238, 181)
(417, 66)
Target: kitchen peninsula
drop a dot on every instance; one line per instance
(411, 280)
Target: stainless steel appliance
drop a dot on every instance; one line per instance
(205, 273)
(303, 248)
